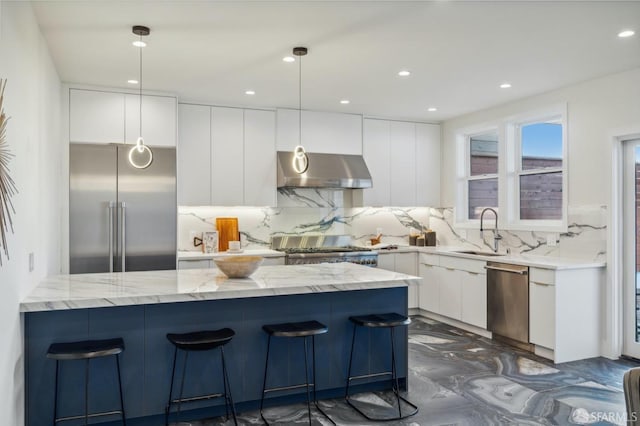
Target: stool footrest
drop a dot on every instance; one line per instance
(198, 398)
(366, 376)
(104, 413)
(284, 388)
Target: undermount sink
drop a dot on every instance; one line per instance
(479, 253)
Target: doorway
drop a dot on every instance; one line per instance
(631, 248)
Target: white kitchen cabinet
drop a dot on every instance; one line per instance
(405, 263)
(194, 155)
(375, 150)
(158, 119)
(259, 158)
(327, 132)
(474, 298)
(195, 264)
(427, 164)
(450, 293)
(227, 156)
(542, 314)
(402, 157)
(404, 162)
(429, 296)
(96, 116)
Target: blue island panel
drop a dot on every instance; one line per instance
(147, 359)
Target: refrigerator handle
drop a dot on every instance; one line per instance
(110, 206)
(123, 234)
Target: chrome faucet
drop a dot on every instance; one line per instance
(496, 236)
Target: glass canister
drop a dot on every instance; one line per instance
(227, 231)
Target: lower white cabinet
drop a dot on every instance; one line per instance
(474, 298)
(455, 288)
(542, 314)
(195, 264)
(405, 263)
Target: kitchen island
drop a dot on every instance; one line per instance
(142, 307)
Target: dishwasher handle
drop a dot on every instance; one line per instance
(512, 271)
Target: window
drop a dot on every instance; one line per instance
(540, 171)
(482, 185)
(518, 167)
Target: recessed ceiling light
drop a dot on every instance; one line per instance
(505, 85)
(139, 43)
(432, 109)
(345, 101)
(289, 59)
(626, 33)
(250, 92)
(404, 73)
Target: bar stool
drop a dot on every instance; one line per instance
(86, 350)
(390, 321)
(296, 329)
(200, 341)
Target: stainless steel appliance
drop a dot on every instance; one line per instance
(303, 250)
(121, 218)
(323, 171)
(508, 303)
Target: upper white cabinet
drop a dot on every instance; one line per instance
(404, 161)
(259, 158)
(227, 156)
(112, 117)
(427, 165)
(158, 119)
(96, 117)
(326, 132)
(194, 155)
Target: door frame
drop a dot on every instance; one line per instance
(613, 332)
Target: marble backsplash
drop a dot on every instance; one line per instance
(308, 211)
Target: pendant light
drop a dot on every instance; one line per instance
(140, 155)
(300, 160)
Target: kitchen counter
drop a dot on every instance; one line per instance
(196, 255)
(544, 262)
(142, 307)
(82, 291)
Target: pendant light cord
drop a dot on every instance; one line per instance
(140, 48)
(300, 100)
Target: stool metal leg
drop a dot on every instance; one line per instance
(227, 388)
(124, 417)
(306, 379)
(86, 393)
(264, 382)
(173, 374)
(55, 397)
(394, 373)
(184, 373)
(315, 380)
(353, 342)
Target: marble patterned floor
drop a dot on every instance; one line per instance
(459, 378)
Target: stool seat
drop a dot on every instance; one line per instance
(201, 340)
(391, 319)
(296, 329)
(86, 349)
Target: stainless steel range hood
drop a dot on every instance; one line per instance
(338, 171)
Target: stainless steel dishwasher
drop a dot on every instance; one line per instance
(508, 303)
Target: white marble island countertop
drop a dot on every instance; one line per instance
(83, 291)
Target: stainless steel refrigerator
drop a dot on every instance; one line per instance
(121, 218)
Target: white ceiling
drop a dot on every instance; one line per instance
(458, 52)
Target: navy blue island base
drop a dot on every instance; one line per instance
(147, 359)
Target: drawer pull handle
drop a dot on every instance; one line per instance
(541, 284)
(473, 273)
(450, 269)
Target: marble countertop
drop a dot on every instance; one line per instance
(196, 255)
(545, 262)
(81, 291)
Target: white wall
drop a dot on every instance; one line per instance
(32, 100)
(595, 109)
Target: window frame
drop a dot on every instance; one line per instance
(510, 170)
(461, 214)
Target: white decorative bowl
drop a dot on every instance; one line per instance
(238, 266)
